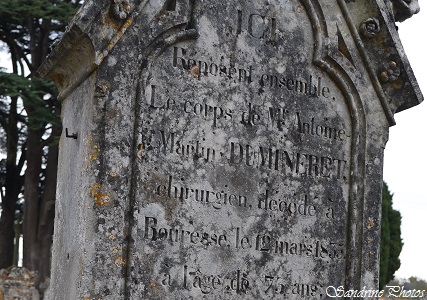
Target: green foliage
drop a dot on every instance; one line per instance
(36, 95)
(413, 284)
(12, 85)
(391, 242)
(30, 124)
(396, 243)
(27, 28)
(16, 13)
(417, 283)
(18, 10)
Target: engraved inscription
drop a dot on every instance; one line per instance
(244, 150)
(280, 207)
(291, 163)
(283, 161)
(238, 240)
(257, 25)
(239, 282)
(198, 68)
(216, 199)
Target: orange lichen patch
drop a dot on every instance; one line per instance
(99, 198)
(152, 284)
(119, 262)
(107, 21)
(58, 78)
(195, 71)
(96, 187)
(120, 33)
(139, 153)
(371, 223)
(95, 153)
(101, 56)
(87, 298)
(102, 199)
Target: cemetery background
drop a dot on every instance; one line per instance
(406, 201)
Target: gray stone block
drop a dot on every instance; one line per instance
(224, 150)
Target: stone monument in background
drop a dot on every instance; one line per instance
(224, 149)
(17, 283)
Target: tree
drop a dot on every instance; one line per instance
(417, 283)
(412, 283)
(391, 242)
(30, 127)
(12, 181)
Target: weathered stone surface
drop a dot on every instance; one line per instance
(18, 283)
(223, 150)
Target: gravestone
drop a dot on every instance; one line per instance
(224, 150)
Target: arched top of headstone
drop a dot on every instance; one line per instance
(224, 148)
(96, 29)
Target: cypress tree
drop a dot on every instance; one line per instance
(391, 241)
